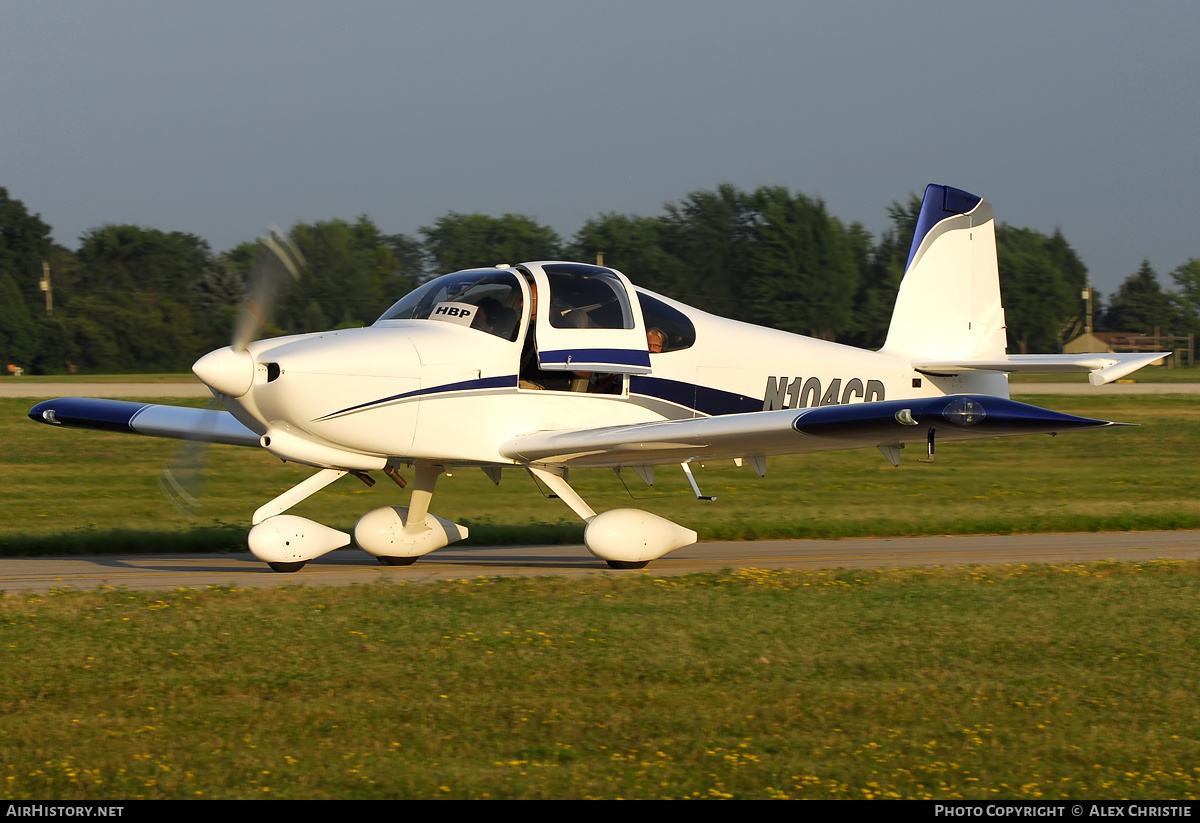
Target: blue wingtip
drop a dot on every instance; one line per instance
(940, 202)
(87, 413)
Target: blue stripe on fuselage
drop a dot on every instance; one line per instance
(508, 381)
(692, 396)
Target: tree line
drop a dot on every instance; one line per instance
(134, 299)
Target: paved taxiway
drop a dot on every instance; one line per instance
(16, 387)
(348, 566)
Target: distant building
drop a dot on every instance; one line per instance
(1087, 343)
(1183, 347)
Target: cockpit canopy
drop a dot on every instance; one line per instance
(485, 299)
(586, 316)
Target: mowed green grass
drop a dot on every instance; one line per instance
(1012, 682)
(73, 491)
(1008, 682)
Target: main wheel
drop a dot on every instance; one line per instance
(397, 561)
(287, 568)
(627, 564)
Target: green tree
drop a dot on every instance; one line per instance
(634, 246)
(1187, 295)
(129, 302)
(351, 276)
(409, 256)
(707, 233)
(24, 244)
(466, 241)
(803, 274)
(17, 337)
(881, 268)
(1041, 279)
(216, 300)
(123, 259)
(1140, 305)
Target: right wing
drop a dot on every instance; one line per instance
(179, 422)
(792, 431)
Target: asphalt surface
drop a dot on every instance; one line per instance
(350, 566)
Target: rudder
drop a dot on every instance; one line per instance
(949, 300)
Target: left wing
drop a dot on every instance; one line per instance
(789, 431)
(180, 422)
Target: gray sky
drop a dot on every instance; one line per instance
(223, 118)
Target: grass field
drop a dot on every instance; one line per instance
(1007, 682)
(72, 491)
(1012, 682)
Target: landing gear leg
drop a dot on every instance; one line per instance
(622, 538)
(418, 502)
(286, 542)
(398, 535)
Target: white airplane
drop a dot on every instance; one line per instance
(547, 366)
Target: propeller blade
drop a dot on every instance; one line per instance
(183, 480)
(278, 258)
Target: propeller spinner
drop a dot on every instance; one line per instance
(230, 371)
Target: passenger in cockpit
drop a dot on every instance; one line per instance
(655, 340)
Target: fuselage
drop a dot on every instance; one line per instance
(436, 389)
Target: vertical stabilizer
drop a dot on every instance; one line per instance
(949, 300)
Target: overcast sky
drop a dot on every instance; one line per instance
(223, 118)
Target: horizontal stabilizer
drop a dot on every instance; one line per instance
(1103, 368)
(179, 422)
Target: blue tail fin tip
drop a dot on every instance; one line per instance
(940, 202)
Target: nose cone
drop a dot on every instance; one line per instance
(226, 371)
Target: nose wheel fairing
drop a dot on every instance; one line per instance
(287, 539)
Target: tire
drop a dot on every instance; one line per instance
(397, 561)
(627, 564)
(287, 568)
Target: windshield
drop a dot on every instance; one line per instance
(485, 299)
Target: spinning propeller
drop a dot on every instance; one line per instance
(278, 258)
(231, 370)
